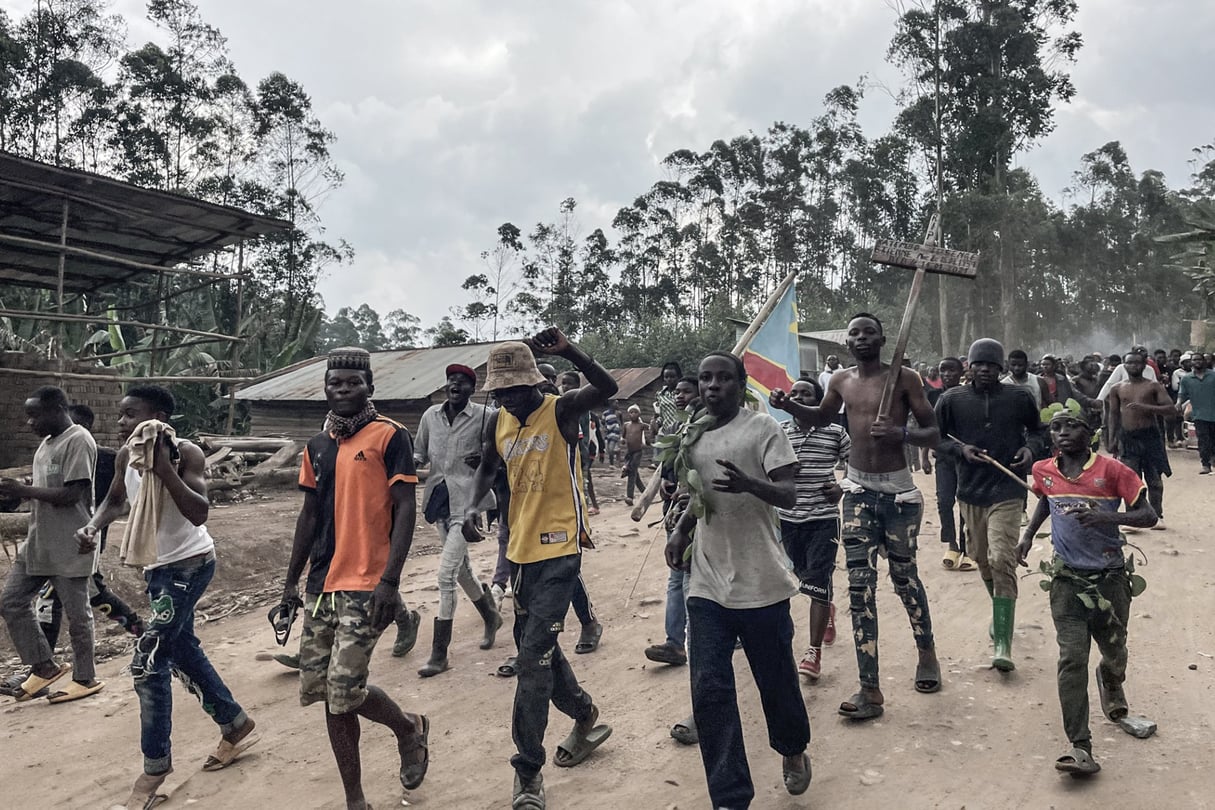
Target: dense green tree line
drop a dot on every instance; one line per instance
(716, 233)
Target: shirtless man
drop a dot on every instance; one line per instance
(1135, 438)
(882, 507)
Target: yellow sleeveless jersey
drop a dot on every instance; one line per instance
(547, 516)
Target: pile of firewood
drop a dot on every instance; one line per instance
(235, 462)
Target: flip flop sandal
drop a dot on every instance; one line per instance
(229, 751)
(510, 668)
(797, 782)
(75, 691)
(685, 732)
(588, 642)
(1077, 763)
(34, 684)
(858, 707)
(281, 617)
(577, 747)
(927, 679)
(529, 796)
(143, 794)
(413, 774)
(950, 561)
(11, 685)
(967, 564)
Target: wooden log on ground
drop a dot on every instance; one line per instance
(283, 459)
(244, 444)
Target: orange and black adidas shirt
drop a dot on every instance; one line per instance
(352, 478)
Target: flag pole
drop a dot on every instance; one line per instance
(764, 312)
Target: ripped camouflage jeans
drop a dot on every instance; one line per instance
(875, 523)
(169, 647)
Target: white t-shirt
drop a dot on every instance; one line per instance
(737, 560)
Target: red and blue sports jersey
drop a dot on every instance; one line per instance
(1104, 483)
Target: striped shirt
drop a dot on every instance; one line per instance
(818, 451)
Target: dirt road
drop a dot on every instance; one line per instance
(985, 741)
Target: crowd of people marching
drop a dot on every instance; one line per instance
(755, 511)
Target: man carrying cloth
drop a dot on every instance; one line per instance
(152, 465)
(985, 421)
(354, 532)
(1090, 593)
(536, 436)
(882, 507)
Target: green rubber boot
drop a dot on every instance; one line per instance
(1003, 610)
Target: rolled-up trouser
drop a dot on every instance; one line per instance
(454, 567)
(169, 647)
(17, 606)
(994, 531)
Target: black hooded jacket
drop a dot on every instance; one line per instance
(1000, 422)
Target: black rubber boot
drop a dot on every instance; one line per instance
(491, 616)
(438, 650)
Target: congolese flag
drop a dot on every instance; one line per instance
(772, 357)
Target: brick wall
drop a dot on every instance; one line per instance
(17, 443)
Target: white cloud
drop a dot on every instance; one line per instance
(454, 116)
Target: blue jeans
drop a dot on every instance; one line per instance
(767, 639)
(677, 609)
(169, 647)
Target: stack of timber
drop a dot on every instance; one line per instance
(235, 462)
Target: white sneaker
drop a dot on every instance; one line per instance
(498, 594)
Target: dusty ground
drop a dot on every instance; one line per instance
(985, 741)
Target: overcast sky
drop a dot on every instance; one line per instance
(454, 116)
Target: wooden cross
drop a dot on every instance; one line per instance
(925, 258)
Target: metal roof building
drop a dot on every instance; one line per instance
(291, 401)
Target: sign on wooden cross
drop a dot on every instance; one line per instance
(925, 258)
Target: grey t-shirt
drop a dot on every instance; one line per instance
(737, 560)
(50, 547)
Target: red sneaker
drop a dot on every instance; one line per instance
(829, 633)
(812, 665)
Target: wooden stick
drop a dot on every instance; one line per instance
(983, 455)
(900, 346)
(105, 321)
(644, 560)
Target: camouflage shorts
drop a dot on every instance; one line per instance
(335, 650)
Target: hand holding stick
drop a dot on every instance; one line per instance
(982, 454)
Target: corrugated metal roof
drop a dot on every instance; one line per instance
(106, 216)
(838, 336)
(399, 375)
(407, 374)
(632, 380)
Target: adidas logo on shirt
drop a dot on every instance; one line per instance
(359, 456)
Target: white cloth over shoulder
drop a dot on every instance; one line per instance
(139, 540)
